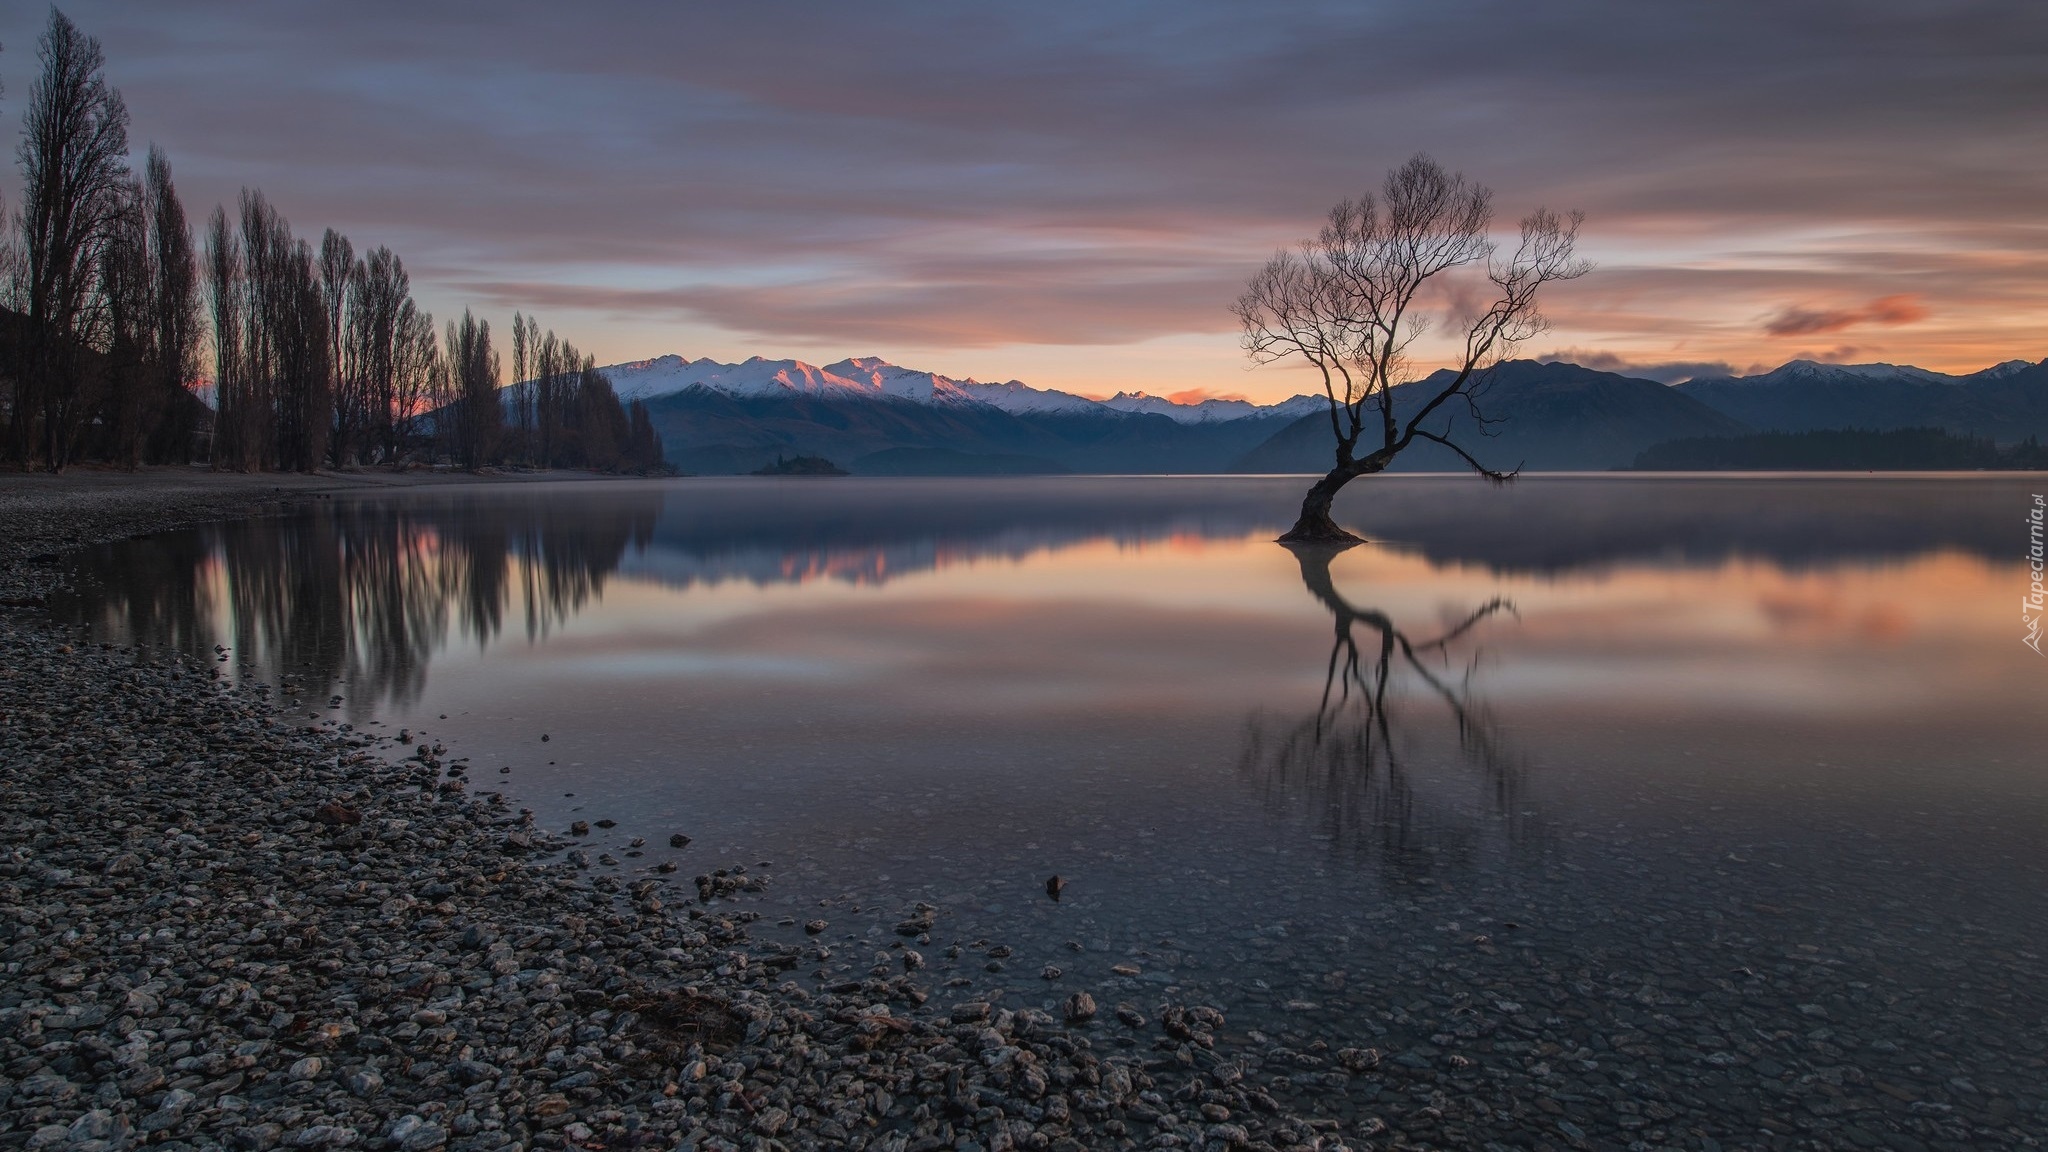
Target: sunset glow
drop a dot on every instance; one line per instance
(1761, 183)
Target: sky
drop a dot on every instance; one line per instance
(1073, 194)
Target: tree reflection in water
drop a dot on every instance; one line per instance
(361, 594)
(1362, 766)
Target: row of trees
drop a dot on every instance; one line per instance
(320, 357)
(102, 331)
(565, 414)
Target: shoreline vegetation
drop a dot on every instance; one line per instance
(320, 358)
(225, 929)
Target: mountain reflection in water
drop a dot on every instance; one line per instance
(1748, 757)
(364, 591)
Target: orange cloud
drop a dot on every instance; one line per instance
(1197, 395)
(1795, 320)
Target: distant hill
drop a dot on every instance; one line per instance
(708, 431)
(873, 378)
(1551, 417)
(883, 419)
(2006, 403)
(1835, 449)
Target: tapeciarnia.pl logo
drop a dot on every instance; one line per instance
(2037, 598)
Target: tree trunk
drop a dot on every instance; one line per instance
(1315, 526)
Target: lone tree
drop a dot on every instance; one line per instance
(74, 176)
(1352, 302)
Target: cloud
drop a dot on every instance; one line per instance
(1197, 395)
(1794, 320)
(1110, 173)
(1664, 372)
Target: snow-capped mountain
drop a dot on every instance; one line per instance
(1212, 411)
(872, 378)
(1806, 371)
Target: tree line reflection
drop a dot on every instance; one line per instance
(353, 598)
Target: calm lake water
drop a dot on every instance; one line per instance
(1727, 793)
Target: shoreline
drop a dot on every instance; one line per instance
(225, 930)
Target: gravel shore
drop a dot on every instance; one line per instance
(222, 930)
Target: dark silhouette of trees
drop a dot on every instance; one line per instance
(643, 446)
(284, 362)
(523, 384)
(340, 280)
(565, 413)
(174, 314)
(239, 430)
(148, 281)
(1352, 302)
(380, 386)
(319, 357)
(73, 157)
(125, 288)
(476, 416)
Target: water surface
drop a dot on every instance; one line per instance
(1720, 792)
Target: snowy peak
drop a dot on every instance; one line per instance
(873, 378)
(1809, 369)
(1210, 411)
(2000, 371)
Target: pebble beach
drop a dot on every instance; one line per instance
(223, 930)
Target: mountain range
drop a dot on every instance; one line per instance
(878, 418)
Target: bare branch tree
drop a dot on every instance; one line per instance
(478, 415)
(73, 156)
(234, 410)
(1352, 302)
(174, 311)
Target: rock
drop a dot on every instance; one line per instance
(1050, 972)
(1079, 1008)
(257, 1137)
(335, 814)
(579, 828)
(1357, 1060)
(814, 927)
(679, 841)
(1055, 886)
(365, 1082)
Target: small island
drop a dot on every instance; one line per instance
(801, 466)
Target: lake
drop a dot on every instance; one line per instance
(1714, 806)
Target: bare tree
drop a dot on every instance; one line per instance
(73, 156)
(417, 373)
(478, 415)
(237, 427)
(339, 278)
(285, 358)
(174, 311)
(1352, 302)
(125, 392)
(522, 388)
